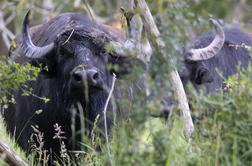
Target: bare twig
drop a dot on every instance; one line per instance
(44, 12)
(177, 85)
(11, 17)
(90, 11)
(7, 35)
(10, 156)
(149, 22)
(108, 4)
(49, 6)
(68, 37)
(105, 115)
(133, 44)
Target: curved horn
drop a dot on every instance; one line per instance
(27, 47)
(212, 49)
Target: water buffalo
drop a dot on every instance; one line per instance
(214, 57)
(76, 74)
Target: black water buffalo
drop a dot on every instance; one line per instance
(76, 75)
(214, 57)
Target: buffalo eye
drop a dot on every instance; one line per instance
(125, 67)
(103, 52)
(202, 76)
(66, 51)
(189, 62)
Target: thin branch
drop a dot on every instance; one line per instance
(6, 40)
(108, 4)
(90, 11)
(11, 17)
(68, 37)
(149, 22)
(6, 33)
(105, 115)
(38, 9)
(177, 85)
(133, 44)
(10, 156)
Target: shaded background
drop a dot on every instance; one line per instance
(190, 16)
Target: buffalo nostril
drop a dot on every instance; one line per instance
(93, 76)
(77, 76)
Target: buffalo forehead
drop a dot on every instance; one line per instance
(49, 31)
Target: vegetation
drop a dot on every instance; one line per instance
(223, 121)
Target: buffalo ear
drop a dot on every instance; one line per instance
(184, 75)
(202, 76)
(125, 67)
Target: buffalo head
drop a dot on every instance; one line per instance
(195, 68)
(213, 57)
(77, 56)
(76, 74)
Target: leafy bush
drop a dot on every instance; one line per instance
(12, 75)
(222, 137)
(224, 129)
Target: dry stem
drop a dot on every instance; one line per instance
(10, 156)
(105, 115)
(177, 85)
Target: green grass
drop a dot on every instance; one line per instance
(6, 138)
(223, 134)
